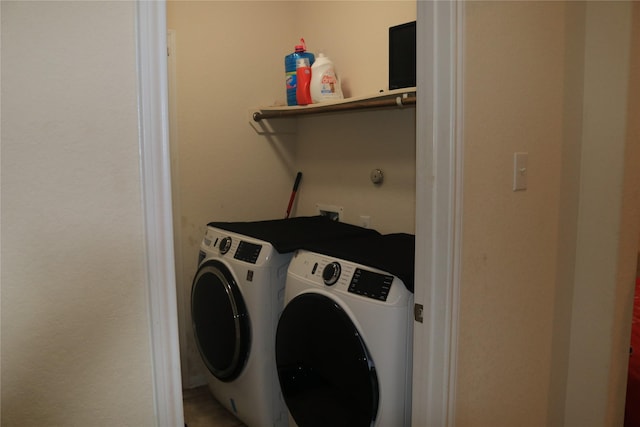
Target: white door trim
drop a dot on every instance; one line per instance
(439, 149)
(151, 52)
(183, 301)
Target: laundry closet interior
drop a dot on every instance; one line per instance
(226, 59)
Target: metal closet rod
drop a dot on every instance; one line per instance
(398, 101)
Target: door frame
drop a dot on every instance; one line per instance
(439, 167)
(438, 208)
(155, 169)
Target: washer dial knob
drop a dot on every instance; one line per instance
(225, 245)
(331, 273)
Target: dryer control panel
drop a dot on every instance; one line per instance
(356, 283)
(248, 252)
(370, 284)
(356, 280)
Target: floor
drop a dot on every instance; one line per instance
(202, 410)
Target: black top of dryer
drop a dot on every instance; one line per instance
(288, 235)
(393, 253)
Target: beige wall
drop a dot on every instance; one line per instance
(513, 98)
(222, 169)
(607, 224)
(230, 59)
(337, 152)
(354, 34)
(569, 187)
(525, 89)
(350, 146)
(547, 273)
(75, 332)
(75, 329)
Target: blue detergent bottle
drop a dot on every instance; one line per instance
(290, 70)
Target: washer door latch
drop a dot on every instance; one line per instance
(417, 312)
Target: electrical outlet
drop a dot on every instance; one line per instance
(365, 221)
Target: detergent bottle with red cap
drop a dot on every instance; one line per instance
(290, 69)
(303, 77)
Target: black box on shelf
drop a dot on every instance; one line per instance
(402, 56)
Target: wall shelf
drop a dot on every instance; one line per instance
(398, 98)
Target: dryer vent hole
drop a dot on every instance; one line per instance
(334, 216)
(333, 212)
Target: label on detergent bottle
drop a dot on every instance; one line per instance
(290, 80)
(328, 84)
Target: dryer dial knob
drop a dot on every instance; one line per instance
(331, 273)
(225, 245)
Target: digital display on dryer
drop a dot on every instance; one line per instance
(248, 252)
(370, 284)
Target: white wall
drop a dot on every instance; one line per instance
(225, 171)
(75, 329)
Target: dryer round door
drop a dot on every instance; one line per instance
(220, 321)
(326, 373)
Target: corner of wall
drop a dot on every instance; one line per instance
(568, 208)
(600, 315)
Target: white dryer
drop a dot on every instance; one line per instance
(344, 339)
(236, 298)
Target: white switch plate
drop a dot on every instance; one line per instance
(520, 171)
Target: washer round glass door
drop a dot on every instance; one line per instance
(326, 374)
(220, 321)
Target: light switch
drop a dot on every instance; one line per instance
(520, 171)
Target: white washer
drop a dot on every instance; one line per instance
(236, 297)
(344, 340)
